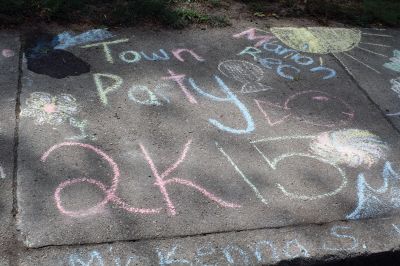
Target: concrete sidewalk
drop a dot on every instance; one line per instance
(235, 146)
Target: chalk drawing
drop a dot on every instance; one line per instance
(228, 250)
(151, 100)
(48, 109)
(396, 89)
(155, 57)
(66, 40)
(204, 251)
(244, 72)
(384, 199)
(177, 54)
(179, 79)
(232, 98)
(95, 257)
(318, 40)
(81, 125)
(258, 253)
(396, 227)
(351, 147)
(313, 107)
(106, 48)
(102, 89)
(273, 164)
(251, 34)
(162, 182)
(294, 249)
(284, 70)
(242, 175)
(130, 57)
(7, 53)
(2, 173)
(335, 233)
(109, 191)
(395, 62)
(169, 257)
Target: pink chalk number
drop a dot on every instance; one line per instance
(110, 191)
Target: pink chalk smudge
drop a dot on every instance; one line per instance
(7, 53)
(110, 192)
(50, 108)
(320, 98)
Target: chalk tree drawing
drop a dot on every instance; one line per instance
(313, 107)
(395, 62)
(377, 201)
(55, 110)
(352, 147)
(324, 40)
(246, 73)
(110, 195)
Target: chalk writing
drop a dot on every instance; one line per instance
(104, 90)
(179, 79)
(152, 98)
(350, 147)
(228, 250)
(106, 48)
(95, 256)
(55, 110)
(245, 72)
(396, 228)
(286, 71)
(335, 233)
(313, 107)
(396, 89)
(161, 182)
(7, 53)
(251, 34)
(373, 202)
(273, 164)
(318, 40)
(242, 175)
(109, 191)
(169, 257)
(294, 249)
(232, 98)
(132, 57)
(395, 62)
(66, 40)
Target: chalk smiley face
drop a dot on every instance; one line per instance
(319, 108)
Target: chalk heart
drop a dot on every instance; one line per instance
(318, 40)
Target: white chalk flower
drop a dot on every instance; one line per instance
(351, 147)
(48, 109)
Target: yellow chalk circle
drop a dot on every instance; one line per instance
(318, 40)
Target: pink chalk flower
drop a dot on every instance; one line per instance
(7, 53)
(48, 109)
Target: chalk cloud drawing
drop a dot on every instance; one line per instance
(55, 110)
(395, 62)
(7, 53)
(325, 40)
(66, 39)
(313, 107)
(351, 147)
(246, 73)
(374, 202)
